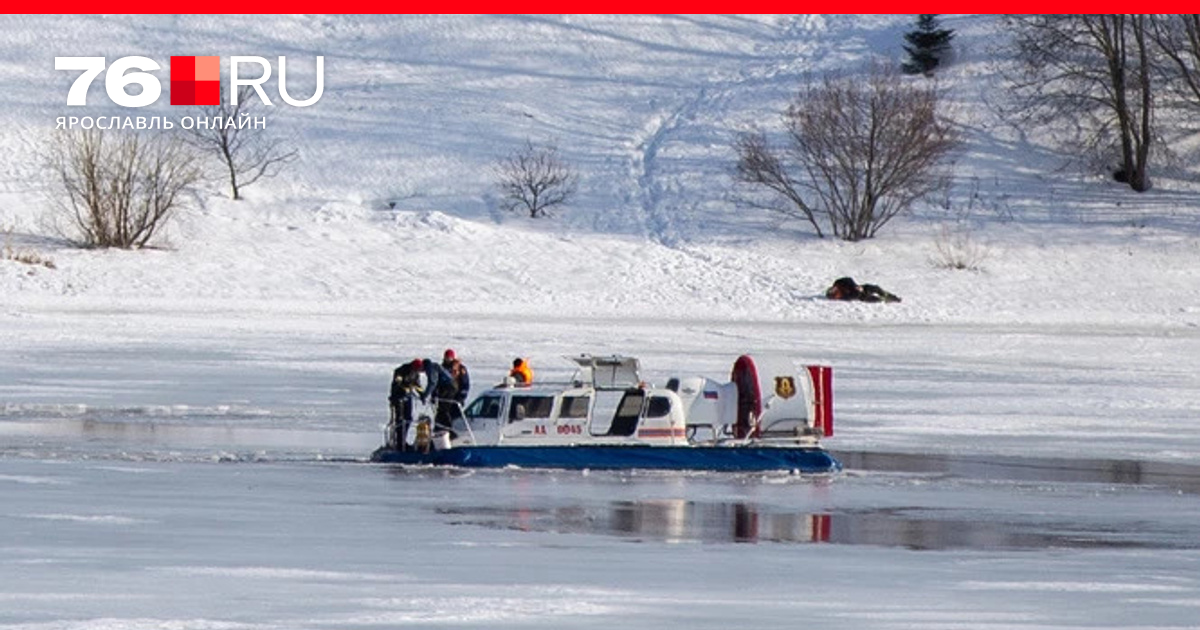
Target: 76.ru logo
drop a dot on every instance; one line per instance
(194, 80)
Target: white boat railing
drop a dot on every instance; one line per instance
(395, 432)
(462, 413)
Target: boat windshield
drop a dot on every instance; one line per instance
(484, 407)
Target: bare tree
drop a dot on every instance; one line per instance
(1096, 72)
(245, 150)
(118, 189)
(1178, 39)
(860, 150)
(763, 166)
(534, 179)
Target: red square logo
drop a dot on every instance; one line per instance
(195, 80)
(208, 92)
(183, 92)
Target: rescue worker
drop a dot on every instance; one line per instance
(450, 407)
(409, 374)
(406, 384)
(440, 388)
(457, 370)
(521, 373)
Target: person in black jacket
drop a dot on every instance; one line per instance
(848, 289)
(439, 385)
(443, 389)
(406, 385)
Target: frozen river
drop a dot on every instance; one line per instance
(94, 539)
(213, 477)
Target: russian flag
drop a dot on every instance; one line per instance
(711, 395)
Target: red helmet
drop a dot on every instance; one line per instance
(417, 363)
(449, 355)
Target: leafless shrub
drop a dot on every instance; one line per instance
(860, 150)
(534, 179)
(246, 151)
(26, 256)
(118, 189)
(956, 248)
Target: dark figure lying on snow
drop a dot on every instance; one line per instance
(848, 289)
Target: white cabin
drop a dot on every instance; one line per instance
(607, 402)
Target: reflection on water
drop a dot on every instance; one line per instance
(933, 521)
(740, 522)
(676, 520)
(665, 519)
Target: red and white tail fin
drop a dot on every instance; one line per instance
(822, 403)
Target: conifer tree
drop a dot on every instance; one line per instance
(927, 46)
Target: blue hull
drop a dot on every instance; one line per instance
(715, 458)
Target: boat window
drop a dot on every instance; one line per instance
(485, 407)
(626, 419)
(523, 407)
(659, 406)
(575, 406)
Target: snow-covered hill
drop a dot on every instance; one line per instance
(418, 109)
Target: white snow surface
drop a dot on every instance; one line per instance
(261, 333)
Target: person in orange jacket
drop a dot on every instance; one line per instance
(521, 372)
